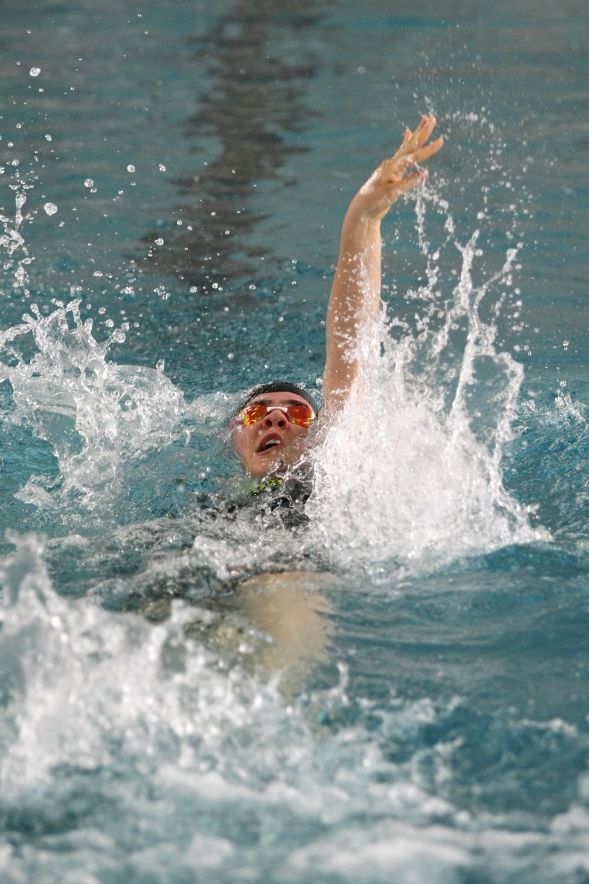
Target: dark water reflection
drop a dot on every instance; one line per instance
(254, 110)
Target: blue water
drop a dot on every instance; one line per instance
(173, 180)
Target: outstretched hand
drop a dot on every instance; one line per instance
(400, 173)
(355, 292)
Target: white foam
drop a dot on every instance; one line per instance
(411, 471)
(95, 414)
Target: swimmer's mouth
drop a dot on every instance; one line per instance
(268, 443)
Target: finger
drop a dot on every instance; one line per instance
(413, 140)
(405, 144)
(422, 133)
(424, 153)
(409, 141)
(424, 130)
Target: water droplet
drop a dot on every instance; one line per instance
(88, 182)
(50, 208)
(159, 241)
(34, 72)
(48, 137)
(130, 168)
(162, 168)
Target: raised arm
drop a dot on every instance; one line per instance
(355, 293)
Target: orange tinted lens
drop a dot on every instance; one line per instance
(302, 415)
(253, 413)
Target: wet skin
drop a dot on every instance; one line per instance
(272, 442)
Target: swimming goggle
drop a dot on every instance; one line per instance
(298, 413)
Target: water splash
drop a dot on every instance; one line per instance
(105, 720)
(123, 682)
(411, 472)
(95, 414)
(12, 242)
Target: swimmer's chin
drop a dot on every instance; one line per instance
(268, 464)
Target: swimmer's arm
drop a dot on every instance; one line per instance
(355, 293)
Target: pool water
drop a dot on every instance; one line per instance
(414, 706)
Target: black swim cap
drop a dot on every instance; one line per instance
(277, 387)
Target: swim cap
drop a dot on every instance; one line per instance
(277, 387)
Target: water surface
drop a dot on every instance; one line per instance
(174, 177)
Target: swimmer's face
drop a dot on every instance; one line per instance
(272, 442)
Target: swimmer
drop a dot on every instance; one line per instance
(270, 430)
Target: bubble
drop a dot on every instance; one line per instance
(130, 168)
(34, 72)
(162, 168)
(48, 137)
(50, 208)
(88, 182)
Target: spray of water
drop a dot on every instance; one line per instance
(16, 255)
(64, 663)
(411, 472)
(106, 720)
(95, 414)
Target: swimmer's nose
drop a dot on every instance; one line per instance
(275, 418)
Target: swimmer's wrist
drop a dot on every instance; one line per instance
(359, 224)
